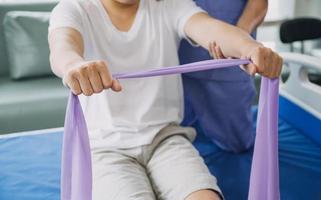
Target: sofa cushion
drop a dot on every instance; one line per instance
(26, 43)
(31, 104)
(15, 5)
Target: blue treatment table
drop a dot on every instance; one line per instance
(30, 165)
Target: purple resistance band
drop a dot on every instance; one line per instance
(76, 169)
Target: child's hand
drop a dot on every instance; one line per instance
(264, 61)
(89, 78)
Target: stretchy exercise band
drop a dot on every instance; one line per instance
(76, 171)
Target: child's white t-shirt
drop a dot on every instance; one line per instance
(134, 116)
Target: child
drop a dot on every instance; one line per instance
(139, 150)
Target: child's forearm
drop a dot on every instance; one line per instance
(66, 59)
(66, 48)
(253, 15)
(233, 41)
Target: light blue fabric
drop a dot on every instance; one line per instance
(219, 101)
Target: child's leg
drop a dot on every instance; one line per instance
(178, 172)
(117, 176)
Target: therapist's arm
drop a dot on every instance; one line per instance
(234, 42)
(253, 15)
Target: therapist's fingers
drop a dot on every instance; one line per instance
(218, 52)
(215, 51)
(210, 50)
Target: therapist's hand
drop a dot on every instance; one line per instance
(89, 78)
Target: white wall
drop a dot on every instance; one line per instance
(308, 8)
(285, 9)
(280, 9)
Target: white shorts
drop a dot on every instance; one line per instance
(170, 169)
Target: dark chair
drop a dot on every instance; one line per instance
(300, 29)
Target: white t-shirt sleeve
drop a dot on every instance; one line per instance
(179, 13)
(66, 14)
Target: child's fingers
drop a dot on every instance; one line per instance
(95, 80)
(85, 84)
(250, 69)
(116, 85)
(267, 62)
(104, 75)
(74, 86)
(89, 78)
(279, 63)
(276, 65)
(258, 60)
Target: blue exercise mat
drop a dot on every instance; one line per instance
(30, 164)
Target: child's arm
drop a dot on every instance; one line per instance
(66, 58)
(234, 42)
